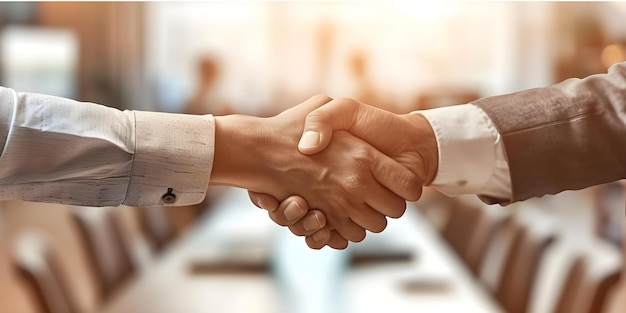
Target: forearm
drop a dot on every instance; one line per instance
(63, 151)
(566, 136)
(238, 160)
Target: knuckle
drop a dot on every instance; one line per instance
(348, 102)
(398, 210)
(380, 226)
(339, 246)
(277, 219)
(412, 185)
(313, 244)
(321, 98)
(354, 184)
(297, 231)
(364, 158)
(358, 237)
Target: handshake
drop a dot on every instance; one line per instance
(328, 169)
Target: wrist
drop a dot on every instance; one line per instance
(424, 143)
(238, 139)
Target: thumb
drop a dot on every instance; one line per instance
(319, 125)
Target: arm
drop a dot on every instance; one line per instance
(59, 150)
(63, 151)
(567, 136)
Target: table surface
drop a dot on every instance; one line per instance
(300, 280)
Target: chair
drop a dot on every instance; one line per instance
(156, 227)
(567, 302)
(38, 266)
(493, 265)
(461, 226)
(484, 235)
(601, 293)
(584, 294)
(520, 269)
(102, 240)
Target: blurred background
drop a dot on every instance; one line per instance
(553, 254)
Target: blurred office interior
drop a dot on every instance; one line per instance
(557, 253)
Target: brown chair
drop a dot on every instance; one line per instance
(156, 226)
(583, 294)
(101, 235)
(494, 261)
(461, 226)
(38, 266)
(601, 294)
(484, 235)
(520, 269)
(567, 302)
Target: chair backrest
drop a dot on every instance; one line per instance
(461, 226)
(484, 235)
(38, 266)
(520, 269)
(568, 300)
(156, 227)
(585, 293)
(493, 265)
(107, 252)
(603, 288)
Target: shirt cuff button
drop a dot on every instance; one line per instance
(169, 197)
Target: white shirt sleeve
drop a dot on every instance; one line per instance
(63, 151)
(472, 158)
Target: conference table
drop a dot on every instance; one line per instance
(236, 260)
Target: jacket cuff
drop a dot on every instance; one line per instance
(467, 149)
(173, 159)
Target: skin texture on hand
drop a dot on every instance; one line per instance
(408, 139)
(354, 184)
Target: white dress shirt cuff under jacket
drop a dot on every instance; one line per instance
(60, 150)
(472, 158)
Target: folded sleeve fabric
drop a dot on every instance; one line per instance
(63, 151)
(472, 159)
(566, 136)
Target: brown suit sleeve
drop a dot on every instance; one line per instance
(567, 136)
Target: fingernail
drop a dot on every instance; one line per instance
(261, 204)
(319, 236)
(264, 205)
(309, 140)
(293, 211)
(311, 223)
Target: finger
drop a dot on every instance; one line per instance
(263, 201)
(319, 239)
(350, 230)
(337, 241)
(290, 211)
(312, 222)
(397, 178)
(309, 105)
(350, 115)
(370, 219)
(320, 123)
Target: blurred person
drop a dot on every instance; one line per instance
(207, 99)
(365, 88)
(506, 148)
(366, 91)
(63, 151)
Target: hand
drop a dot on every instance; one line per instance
(355, 185)
(301, 222)
(408, 138)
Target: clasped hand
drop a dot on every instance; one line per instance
(354, 166)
